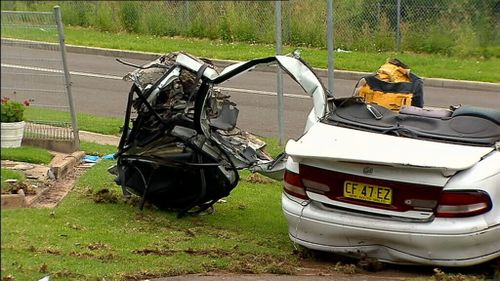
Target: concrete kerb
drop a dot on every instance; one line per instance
(339, 74)
(62, 164)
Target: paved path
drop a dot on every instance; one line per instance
(99, 138)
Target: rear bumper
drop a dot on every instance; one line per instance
(431, 243)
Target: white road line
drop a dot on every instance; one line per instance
(263, 93)
(95, 75)
(60, 71)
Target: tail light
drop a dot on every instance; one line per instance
(294, 186)
(463, 204)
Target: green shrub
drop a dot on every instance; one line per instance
(77, 12)
(163, 22)
(11, 110)
(130, 16)
(104, 19)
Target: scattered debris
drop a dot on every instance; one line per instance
(345, 268)
(15, 187)
(91, 159)
(136, 202)
(97, 246)
(339, 50)
(440, 275)
(8, 278)
(81, 255)
(43, 268)
(258, 178)
(190, 232)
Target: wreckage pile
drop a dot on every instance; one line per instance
(183, 150)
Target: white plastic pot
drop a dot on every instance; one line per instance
(12, 133)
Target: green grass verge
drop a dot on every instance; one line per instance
(92, 148)
(83, 240)
(7, 174)
(86, 122)
(426, 65)
(28, 154)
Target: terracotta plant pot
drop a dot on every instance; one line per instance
(12, 134)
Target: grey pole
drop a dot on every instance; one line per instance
(398, 25)
(279, 86)
(329, 43)
(67, 78)
(187, 18)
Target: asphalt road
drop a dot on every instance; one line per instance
(98, 89)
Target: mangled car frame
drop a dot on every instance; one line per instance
(184, 149)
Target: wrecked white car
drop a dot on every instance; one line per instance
(399, 184)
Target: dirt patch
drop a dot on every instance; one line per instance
(105, 196)
(320, 263)
(16, 187)
(57, 190)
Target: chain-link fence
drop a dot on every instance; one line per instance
(462, 27)
(35, 72)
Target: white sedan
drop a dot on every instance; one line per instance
(420, 186)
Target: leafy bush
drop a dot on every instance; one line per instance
(104, 19)
(12, 111)
(77, 13)
(130, 16)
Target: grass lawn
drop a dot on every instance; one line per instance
(28, 154)
(7, 174)
(426, 65)
(86, 122)
(83, 240)
(92, 148)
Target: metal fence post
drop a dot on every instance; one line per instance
(67, 78)
(329, 43)
(187, 18)
(398, 25)
(279, 86)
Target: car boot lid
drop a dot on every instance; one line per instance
(342, 144)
